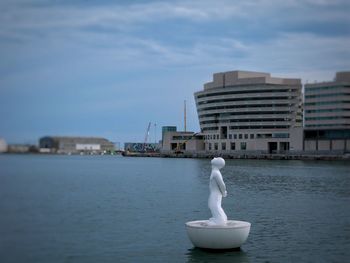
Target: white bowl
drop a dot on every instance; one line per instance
(231, 235)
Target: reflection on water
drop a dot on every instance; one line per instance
(201, 255)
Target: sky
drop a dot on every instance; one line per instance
(108, 68)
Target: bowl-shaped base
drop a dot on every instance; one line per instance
(229, 236)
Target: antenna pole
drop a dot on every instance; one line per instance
(155, 133)
(185, 115)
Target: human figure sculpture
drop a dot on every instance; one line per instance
(217, 191)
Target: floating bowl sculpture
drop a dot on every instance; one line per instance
(232, 235)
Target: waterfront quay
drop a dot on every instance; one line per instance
(243, 155)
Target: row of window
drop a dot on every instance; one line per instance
(248, 136)
(248, 127)
(257, 91)
(326, 125)
(318, 103)
(326, 95)
(312, 89)
(327, 134)
(228, 114)
(228, 107)
(246, 120)
(326, 110)
(327, 118)
(215, 146)
(247, 99)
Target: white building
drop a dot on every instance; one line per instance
(3, 145)
(327, 115)
(250, 111)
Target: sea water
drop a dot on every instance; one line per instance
(122, 209)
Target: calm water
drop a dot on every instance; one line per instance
(115, 209)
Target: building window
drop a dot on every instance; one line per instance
(251, 136)
(245, 136)
(233, 146)
(235, 136)
(223, 146)
(280, 135)
(230, 136)
(243, 145)
(217, 136)
(209, 146)
(216, 146)
(240, 136)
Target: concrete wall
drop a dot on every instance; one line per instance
(338, 144)
(296, 139)
(310, 145)
(324, 145)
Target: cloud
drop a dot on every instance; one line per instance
(23, 17)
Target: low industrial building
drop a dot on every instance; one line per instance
(73, 145)
(182, 142)
(327, 115)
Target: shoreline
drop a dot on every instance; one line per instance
(260, 156)
(243, 156)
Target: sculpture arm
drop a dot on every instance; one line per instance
(221, 185)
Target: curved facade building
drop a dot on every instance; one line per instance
(250, 111)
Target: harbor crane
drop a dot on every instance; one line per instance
(146, 136)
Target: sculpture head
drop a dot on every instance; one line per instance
(218, 162)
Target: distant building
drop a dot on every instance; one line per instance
(242, 111)
(75, 144)
(327, 115)
(180, 141)
(141, 147)
(3, 145)
(21, 148)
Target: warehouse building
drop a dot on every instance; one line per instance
(241, 111)
(73, 145)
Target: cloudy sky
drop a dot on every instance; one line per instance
(107, 68)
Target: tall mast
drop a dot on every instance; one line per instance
(185, 115)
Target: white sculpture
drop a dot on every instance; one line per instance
(217, 189)
(217, 232)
